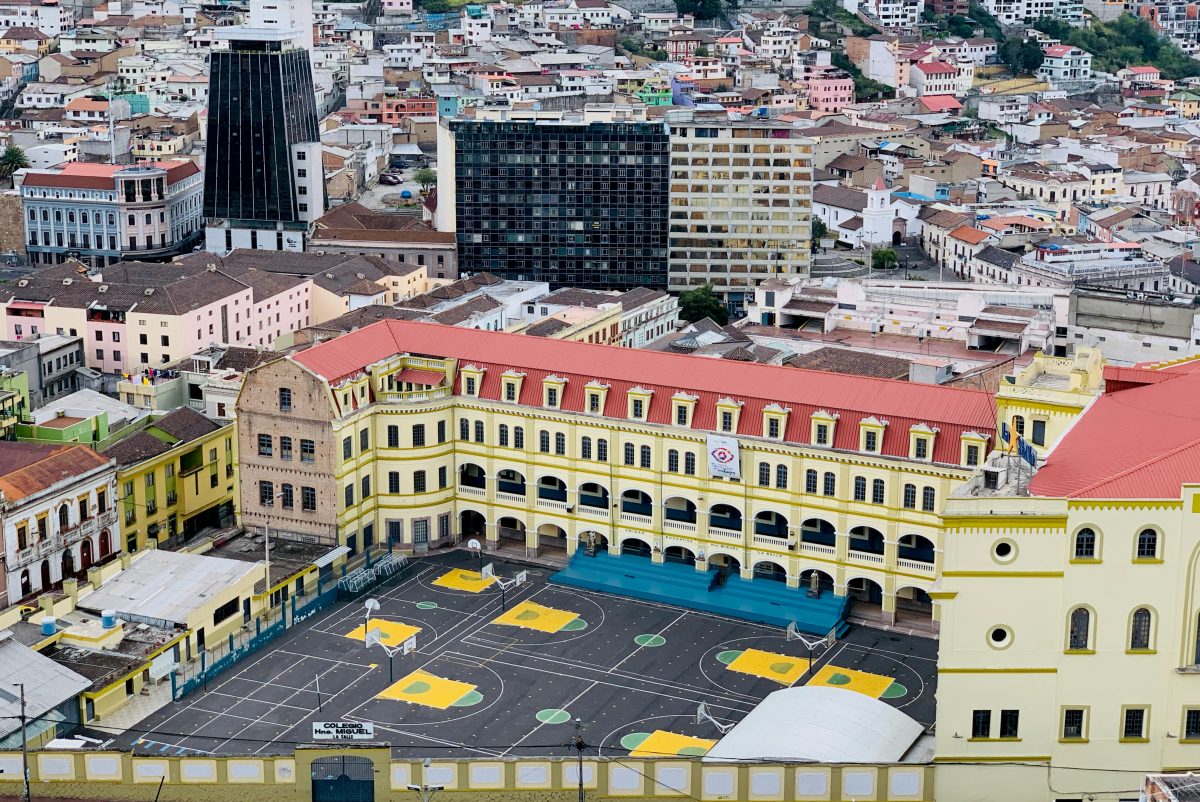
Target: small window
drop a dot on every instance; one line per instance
(1019, 424)
(594, 403)
(602, 449)
(1074, 724)
(1085, 544)
(308, 451)
(672, 461)
(585, 448)
(1191, 724)
(264, 445)
(860, 488)
(764, 474)
(1139, 629)
(266, 494)
(810, 481)
(1009, 723)
(560, 444)
(544, 441)
(972, 456)
(871, 441)
(366, 487)
(349, 495)
(639, 408)
(1038, 436)
(393, 481)
(393, 436)
(822, 438)
(981, 724)
(773, 428)
(552, 397)
(928, 499)
(781, 477)
(419, 481)
(630, 454)
(830, 484)
(1080, 629)
(469, 385)
(510, 391)
(727, 421)
(285, 399)
(681, 415)
(418, 435)
(464, 430)
(877, 491)
(1134, 724)
(364, 441)
(347, 447)
(910, 497)
(1147, 545)
(689, 464)
(921, 448)
(502, 435)
(478, 431)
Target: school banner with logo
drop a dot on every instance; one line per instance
(723, 457)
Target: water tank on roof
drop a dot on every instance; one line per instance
(108, 619)
(49, 625)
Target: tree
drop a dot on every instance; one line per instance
(435, 6)
(819, 230)
(1022, 57)
(700, 52)
(700, 9)
(884, 259)
(426, 178)
(700, 303)
(11, 160)
(960, 26)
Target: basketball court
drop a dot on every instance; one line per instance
(472, 660)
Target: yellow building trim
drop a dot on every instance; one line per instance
(943, 594)
(994, 522)
(997, 671)
(992, 759)
(1005, 574)
(1126, 504)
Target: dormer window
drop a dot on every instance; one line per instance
(511, 381)
(683, 405)
(823, 424)
(973, 449)
(594, 403)
(728, 412)
(595, 393)
(920, 442)
(639, 402)
(870, 437)
(774, 421)
(552, 391)
(472, 379)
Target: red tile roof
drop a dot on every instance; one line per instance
(969, 235)
(28, 468)
(1138, 443)
(936, 68)
(89, 175)
(937, 103)
(427, 377)
(953, 411)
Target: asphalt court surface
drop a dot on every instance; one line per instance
(634, 672)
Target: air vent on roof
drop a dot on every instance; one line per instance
(329, 275)
(103, 289)
(211, 268)
(23, 282)
(67, 282)
(360, 275)
(149, 291)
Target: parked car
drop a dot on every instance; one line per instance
(389, 179)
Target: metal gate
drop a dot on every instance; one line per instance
(343, 779)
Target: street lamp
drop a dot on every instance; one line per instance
(426, 791)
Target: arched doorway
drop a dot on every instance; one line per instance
(552, 537)
(679, 554)
(634, 547)
(819, 532)
(343, 778)
(511, 529)
(913, 604)
(472, 524)
(679, 509)
(593, 495)
(726, 562)
(471, 475)
(824, 580)
(85, 555)
(915, 547)
(865, 590)
(68, 565)
(771, 524)
(510, 481)
(770, 570)
(45, 575)
(26, 584)
(726, 517)
(636, 502)
(866, 539)
(105, 544)
(551, 488)
(594, 542)
(897, 238)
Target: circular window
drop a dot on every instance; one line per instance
(1004, 551)
(999, 637)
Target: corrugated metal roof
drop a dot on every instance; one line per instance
(47, 684)
(167, 585)
(1141, 442)
(904, 404)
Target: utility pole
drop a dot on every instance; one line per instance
(24, 746)
(579, 745)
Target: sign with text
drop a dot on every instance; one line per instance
(343, 730)
(723, 457)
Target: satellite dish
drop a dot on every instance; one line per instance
(371, 604)
(474, 544)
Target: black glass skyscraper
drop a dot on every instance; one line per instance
(581, 205)
(260, 104)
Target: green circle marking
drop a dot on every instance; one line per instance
(894, 691)
(729, 655)
(527, 615)
(838, 679)
(782, 666)
(553, 715)
(693, 751)
(650, 640)
(633, 740)
(574, 625)
(420, 686)
(426, 605)
(471, 698)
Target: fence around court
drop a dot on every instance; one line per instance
(388, 568)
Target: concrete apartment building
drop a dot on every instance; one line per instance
(54, 364)
(741, 203)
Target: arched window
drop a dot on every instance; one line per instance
(602, 449)
(910, 497)
(830, 488)
(1139, 629)
(1081, 623)
(630, 454)
(877, 491)
(585, 448)
(1019, 424)
(1085, 544)
(502, 433)
(860, 488)
(560, 444)
(764, 474)
(810, 481)
(1147, 544)
(672, 461)
(478, 431)
(689, 464)
(64, 517)
(519, 437)
(464, 429)
(781, 477)
(928, 500)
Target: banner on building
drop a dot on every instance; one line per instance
(723, 457)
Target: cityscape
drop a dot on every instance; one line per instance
(758, 400)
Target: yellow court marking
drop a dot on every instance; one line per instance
(778, 667)
(423, 688)
(863, 682)
(393, 633)
(531, 615)
(662, 744)
(469, 581)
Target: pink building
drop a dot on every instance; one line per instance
(830, 91)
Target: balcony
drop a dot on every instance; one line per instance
(817, 550)
(636, 519)
(916, 566)
(865, 558)
(68, 537)
(551, 506)
(683, 527)
(769, 542)
(510, 498)
(471, 490)
(593, 512)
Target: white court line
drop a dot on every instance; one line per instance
(245, 699)
(639, 648)
(541, 724)
(274, 707)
